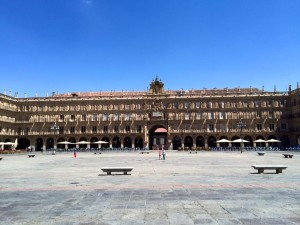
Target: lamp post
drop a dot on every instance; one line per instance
(54, 128)
(241, 125)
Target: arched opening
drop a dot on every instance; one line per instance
(235, 144)
(224, 144)
(138, 142)
(158, 137)
(272, 141)
(188, 142)
(7, 147)
(23, 143)
(39, 144)
(83, 145)
(49, 143)
(72, 140)
(260, 141)
(250, 143)
(94, 139)
(105, 145)
(127, 142)
(116, 142)
(60, 146)
(200, 142)
(176, 141)
(212, 141)
(285, 142)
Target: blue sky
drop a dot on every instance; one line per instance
(92, 45)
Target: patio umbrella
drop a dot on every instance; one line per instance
(82, 142)
(223, 141)
(239, 140)
(100, 142)
(260, 141)
(65, 142)
(273, 140)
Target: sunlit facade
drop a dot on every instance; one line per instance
(193, 119)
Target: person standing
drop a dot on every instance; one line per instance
(75, 153)
(164, 154)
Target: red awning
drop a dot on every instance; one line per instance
(160, 130)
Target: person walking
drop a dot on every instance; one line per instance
(75, 153)
(160, 154)
(164, 154)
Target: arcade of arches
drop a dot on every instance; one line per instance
(156, 140)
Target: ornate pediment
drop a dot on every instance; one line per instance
(157, 87)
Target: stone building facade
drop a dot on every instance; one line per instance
(191, 119)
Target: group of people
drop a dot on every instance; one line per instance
(162, 154)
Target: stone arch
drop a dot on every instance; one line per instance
(285, 141)
(72, 140)
(106, 139)
(49, 143)
(250, 139)
(200, 141)
(23, 143)
(116, 142)
(138, 142)
(212, 141)
(39, 144)
(188, 142)
(176, 142)
(127, 143)
(92, 140)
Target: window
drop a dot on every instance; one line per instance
(139, 128)
(127, 128)
(211, 115)
(186, 116)
(116, 129)
(127, 107)
(83, 129)
(127, 116)
(186, 105)
(257, 103)
(72, 130)
(259, 126)
(116, 107)
(116, 116)
(62, 117)
(270, 103)
(72, 117)
(271, 126)
(105, 128)
(95, 117)
(198, 105)
(198, 116)
(105, 117)
(94, 129)
(175, 105)
(83, 118)
(61, 130)
(283, 126)
(211, 127)
(222, 115)
(222, 105)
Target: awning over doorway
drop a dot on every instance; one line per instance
(160, 130)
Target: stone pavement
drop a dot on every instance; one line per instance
(204, 188)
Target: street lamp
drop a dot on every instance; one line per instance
(241, 125)
(54, 128)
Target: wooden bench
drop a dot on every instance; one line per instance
(98, 153)
(288, 155)
(146, 152)
(261, 168)
(31, 156)
(261, 153)
(109, 170)
(193, 152)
